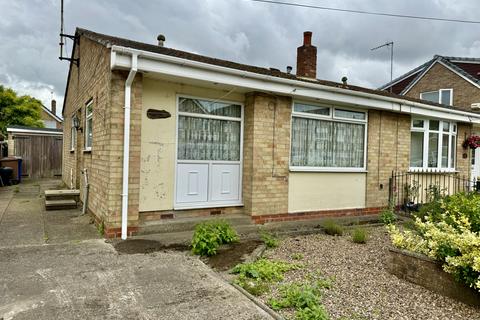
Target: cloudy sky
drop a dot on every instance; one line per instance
(239, 30)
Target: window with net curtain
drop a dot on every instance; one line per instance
(208, 130)
(327, 137)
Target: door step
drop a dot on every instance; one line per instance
(60, 204)
(62, 194)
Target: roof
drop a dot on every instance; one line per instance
(469, 68)
(108, 41)
(50, 113)
(25, 129)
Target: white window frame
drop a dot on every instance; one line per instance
(330, 117)
(87, 118)
(73, 135)
(439, 95)
(452, 134)
(209, 203)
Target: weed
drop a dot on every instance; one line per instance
(16, 190)
(316, 312)
(210, 235)
(254, 276)
(304, 298)
(359, 235)
(101, 228)
(332, 228)
(269, 239)
(387, 216)
(297, 256)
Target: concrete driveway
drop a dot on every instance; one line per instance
(53, 265)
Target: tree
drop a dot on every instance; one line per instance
(18, 110)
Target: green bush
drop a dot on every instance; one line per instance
(269, 240)
(359, 235)
(387, 216)
(332, 228)
(254, 276)
(448, 231)
(297, 256)
(209, 235)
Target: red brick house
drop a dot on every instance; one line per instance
(170, 134)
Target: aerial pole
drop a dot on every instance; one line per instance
(62, 39)
(390, 45)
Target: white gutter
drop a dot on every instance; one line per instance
(268, 83)
(126, 144)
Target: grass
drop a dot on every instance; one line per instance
(359, 235)
(332, 228)
(297, 256)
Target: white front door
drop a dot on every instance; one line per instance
(475, 164)
(209, 153)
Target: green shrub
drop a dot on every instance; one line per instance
(269, 240)
(209, 235)
(388, 216)
(332, 228)
(254, 276)
(359, 235)
(448, 231)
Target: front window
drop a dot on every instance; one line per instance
(443, 96)
(432, 144)
(327, 138)
(89, 125)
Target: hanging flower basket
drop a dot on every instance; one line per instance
(472, 142)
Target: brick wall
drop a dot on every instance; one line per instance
(90, 81)
(266, 154)
(439, 77)
(388, 149)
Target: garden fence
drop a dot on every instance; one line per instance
(408, 190)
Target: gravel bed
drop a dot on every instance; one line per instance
(363, 288)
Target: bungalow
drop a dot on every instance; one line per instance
(168, 134)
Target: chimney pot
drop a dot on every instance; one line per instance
(289, 69)
(161, 40)
(307, 38)
(54, 107)
(307, 58)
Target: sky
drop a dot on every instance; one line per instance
(248, 32)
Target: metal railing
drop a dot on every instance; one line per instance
(408, 190)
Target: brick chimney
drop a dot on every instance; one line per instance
(54, 107)
(307, 58)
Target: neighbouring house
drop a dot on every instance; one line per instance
(452, 81)
(50, 118)
(39, 148)
(168, 134)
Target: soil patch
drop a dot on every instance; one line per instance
(143, 246)
(230, 255)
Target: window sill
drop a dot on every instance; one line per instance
(72, 151)
(333, 170)
(87, 151)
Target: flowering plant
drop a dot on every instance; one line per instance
(450, 236)
(472, 142)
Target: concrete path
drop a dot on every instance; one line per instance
(53, 265)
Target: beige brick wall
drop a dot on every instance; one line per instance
(439, 77)
(11, 145)
(90, 81)
(266, 154)
(388, 149)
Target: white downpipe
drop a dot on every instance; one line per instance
(126, 144)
